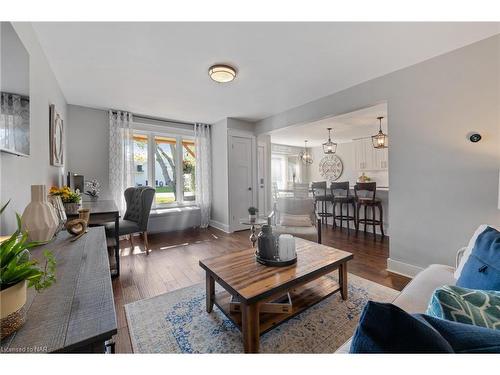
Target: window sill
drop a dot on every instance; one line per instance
(173, 210)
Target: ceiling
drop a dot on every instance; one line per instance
(160, 69)
(345, 128)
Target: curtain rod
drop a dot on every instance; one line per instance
(157, 119)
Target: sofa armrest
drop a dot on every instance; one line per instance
(460, 254)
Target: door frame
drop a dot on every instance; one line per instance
(234, 225)
(265, 173)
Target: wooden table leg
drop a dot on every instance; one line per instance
(250, 327)
(210, 292)
(117, 247)
(343, 280)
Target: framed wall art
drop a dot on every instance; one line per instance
(56, 137)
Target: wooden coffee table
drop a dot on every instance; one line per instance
(253, 284)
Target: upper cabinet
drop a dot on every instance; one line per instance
(368, 158)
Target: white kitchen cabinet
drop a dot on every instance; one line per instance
(368, 158)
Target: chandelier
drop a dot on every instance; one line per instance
(380, 140)
(305, 156)
(329, 147)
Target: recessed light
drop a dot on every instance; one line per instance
(222, 73)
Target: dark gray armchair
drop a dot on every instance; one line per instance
(135, 220)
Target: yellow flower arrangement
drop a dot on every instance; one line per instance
(67, 195)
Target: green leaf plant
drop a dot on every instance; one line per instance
(16, 264)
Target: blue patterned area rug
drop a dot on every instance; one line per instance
(177, 322)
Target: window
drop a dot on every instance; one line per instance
(171, 168)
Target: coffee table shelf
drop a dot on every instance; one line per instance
(303, 297)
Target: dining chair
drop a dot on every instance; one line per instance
(136, 217)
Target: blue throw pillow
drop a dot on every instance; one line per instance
(385, 328)
(482, 269)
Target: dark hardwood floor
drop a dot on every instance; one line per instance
(173, 263)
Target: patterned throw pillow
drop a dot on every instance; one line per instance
(469, 306)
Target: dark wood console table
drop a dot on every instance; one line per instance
(77, 313)
(101, 212)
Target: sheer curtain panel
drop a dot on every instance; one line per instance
(121, 156)
(203, 173)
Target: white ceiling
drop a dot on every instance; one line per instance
(345, 128)
(160, 69)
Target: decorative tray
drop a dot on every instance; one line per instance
(275, 263)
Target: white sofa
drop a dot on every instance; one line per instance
(415, 297)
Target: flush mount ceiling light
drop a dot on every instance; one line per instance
(380, 140)
(222, 73)
(305, 156)
(329, 147)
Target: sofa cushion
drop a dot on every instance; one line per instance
(385, 328)
(468, 306)
(482, 268)
(289, 220)
(415, 297)
(308, 233)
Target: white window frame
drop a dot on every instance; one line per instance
(151, 131)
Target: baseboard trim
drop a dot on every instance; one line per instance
(401, 268)
(220, 226)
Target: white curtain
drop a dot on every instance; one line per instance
(203, 172)
(121, 156)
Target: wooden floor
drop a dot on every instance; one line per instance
(173, 264)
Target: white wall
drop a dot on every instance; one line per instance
(441, 185)
(19, 173)
(88, 145)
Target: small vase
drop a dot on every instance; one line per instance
(71, 208)
(252, 218)
(39, 217)
(13, 313)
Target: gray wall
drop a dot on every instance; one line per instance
(19, 173)
(220, 186)
(442, 185)
(88, 145)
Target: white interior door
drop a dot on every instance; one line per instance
(240, 180)
(262, 178)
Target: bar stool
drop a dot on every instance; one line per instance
(341, 196)
(320, 195)
(368, 199)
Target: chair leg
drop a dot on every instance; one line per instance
(358, 207)
(381, 221)
(131, 242)
(348, 219)
(146, 244)
(364, 228)
(334, 225)
(373, 222)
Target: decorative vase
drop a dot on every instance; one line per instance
(71, 208)
(12, 311)
(252, 218)
(39, 217)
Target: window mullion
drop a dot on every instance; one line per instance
(151, 166)
(179, 183)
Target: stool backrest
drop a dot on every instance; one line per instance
(369, 190)
(319, 189)
(340, 189)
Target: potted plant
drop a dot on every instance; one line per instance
(252, 213)
(17, 273)
(71, 198)
(93, 187)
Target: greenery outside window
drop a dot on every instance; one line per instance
(172, 169)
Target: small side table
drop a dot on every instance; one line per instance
(253, 224)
